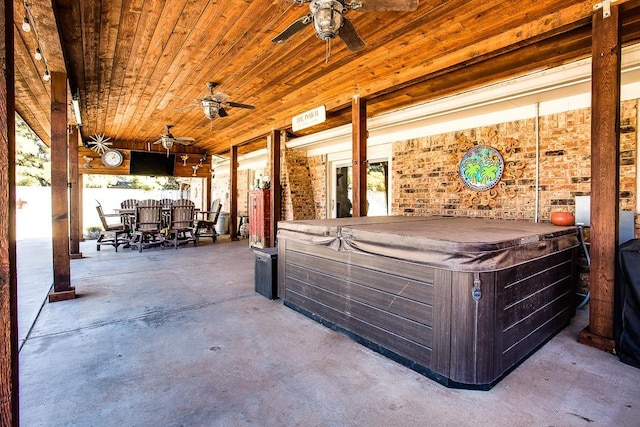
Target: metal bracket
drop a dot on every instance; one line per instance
(605, 6)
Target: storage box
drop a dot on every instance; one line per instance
(266, 272)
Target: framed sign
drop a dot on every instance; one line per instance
(481, 168)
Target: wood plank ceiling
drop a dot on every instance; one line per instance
(136, 64)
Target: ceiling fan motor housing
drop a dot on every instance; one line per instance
(327, 17)
(211, 108)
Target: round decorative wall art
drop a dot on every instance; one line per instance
(481, 168)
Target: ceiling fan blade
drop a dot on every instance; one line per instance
(350, 36)
(222, 112)
(188, 106)
(158, 141)
(184, 139)
(238, 105)
(292, 29)
(386, 5)
(219, 96)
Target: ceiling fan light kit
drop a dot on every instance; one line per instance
(168, 140)
(213, 104)
(327, 17)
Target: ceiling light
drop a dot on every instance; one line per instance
(211, 109)
(38, 54)
(327, 16)
(47, 76)
(25, 25)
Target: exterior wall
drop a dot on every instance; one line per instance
(426, 181)
(221, 185)
(243, 192)
(318, 172)
(297, 186)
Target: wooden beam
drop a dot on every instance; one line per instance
(359, 156)
(75, 208)
(276, 186)
(9, 407)
(81, 204)
(605, 172)
(233, 194)
(206, 199)
(62, 289)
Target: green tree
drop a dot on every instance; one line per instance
(33, 165)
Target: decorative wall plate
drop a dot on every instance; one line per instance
(481, 168)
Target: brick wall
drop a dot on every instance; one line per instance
(426, 181)
(318, 172)
(297, 190)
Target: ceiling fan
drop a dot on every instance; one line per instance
(168, 140)
(214, 103)
(328, 20)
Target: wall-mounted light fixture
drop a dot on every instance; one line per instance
(38, 54)
(47, 76)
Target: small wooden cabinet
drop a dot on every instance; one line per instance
(259, 218)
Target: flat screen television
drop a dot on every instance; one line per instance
(151, 163)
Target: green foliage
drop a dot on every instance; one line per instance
(376, 178)
(33, 163)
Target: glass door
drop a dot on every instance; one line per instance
(377, 189)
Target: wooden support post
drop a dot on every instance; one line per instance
(605, 172)
(74, 197)
(62, 289)
(9, 407)
(80, 205)
(233, 196)
(276, 186)
(206, 197)
(359, 156)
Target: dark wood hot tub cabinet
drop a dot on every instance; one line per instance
(460, 300)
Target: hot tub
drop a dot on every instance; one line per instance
(460, 300)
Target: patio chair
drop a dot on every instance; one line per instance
(206, 223)
(148, 225)
(128, 208)
(166, 211)
(115, 233)
(181, 228)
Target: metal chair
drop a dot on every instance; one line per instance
(181, 223)
(114, 233)
(148, 225)
(206, 224)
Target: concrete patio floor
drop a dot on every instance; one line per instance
(180, 338)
